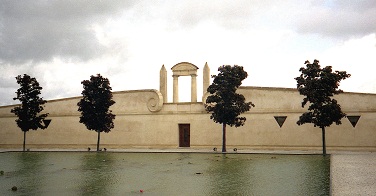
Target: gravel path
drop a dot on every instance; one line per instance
(353, 174)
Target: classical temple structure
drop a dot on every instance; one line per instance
(145, 119)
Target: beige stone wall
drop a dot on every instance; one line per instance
(143, 120)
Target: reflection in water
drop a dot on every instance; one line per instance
(287, 175)
(316, 175)
(92, 173)
(270, 175)
(229, 175)
(29, 172)
(97, 174)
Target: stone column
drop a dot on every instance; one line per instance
(193, 88)
(206, 79)
(163, 83)
(176, 89)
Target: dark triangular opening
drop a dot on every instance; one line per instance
(353, 120)
(280, 120)
(46, 122)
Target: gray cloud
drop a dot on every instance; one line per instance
(9, 82)
(342, 18)
(35, 31)
(335, 19)
(224, 13)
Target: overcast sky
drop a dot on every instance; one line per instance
(61, 43)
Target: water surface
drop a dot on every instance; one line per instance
(106, 173)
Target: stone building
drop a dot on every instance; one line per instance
(145, 119)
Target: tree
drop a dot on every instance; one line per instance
(31, 105)
(94, 105)
(318, 85)
(224, 103)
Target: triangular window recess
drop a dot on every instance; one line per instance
(280, 120)
(353, 120)
(46, 122)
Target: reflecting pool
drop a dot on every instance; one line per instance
(106, 173)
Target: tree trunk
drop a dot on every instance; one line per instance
(224, 137)
(99, 138)
(24, 141)
(323, 141)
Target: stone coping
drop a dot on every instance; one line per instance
(193, 150)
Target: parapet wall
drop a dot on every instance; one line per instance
(144, 121)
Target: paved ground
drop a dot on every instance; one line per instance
(352, 173)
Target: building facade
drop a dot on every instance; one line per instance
(144, 119)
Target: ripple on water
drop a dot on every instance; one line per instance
(106, 173)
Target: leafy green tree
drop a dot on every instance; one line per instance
(224, 104)
(31, 105)
(94, 105)
(318, 85)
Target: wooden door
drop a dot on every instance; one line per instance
(184, 135)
